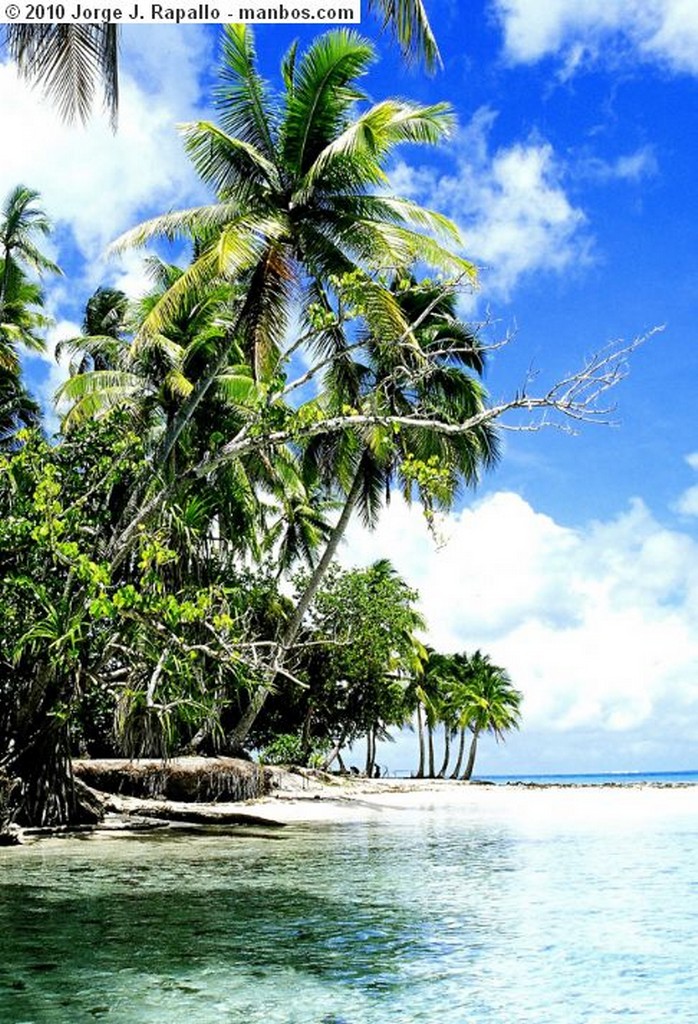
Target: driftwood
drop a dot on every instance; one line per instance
(193, 814)
(190, 779)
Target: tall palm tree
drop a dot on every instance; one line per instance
(73, 62)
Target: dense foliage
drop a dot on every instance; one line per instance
(168, 580)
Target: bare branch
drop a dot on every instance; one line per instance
(574, 399)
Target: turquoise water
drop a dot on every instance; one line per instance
(461, 914)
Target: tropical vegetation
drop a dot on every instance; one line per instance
(168, 571)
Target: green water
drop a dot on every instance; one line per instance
(411, 918)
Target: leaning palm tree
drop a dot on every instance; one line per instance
(74, 62)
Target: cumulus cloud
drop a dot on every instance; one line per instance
(93, 183)
(598, 625)
(510, 204)
(664, 32)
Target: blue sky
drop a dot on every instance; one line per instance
(573, 177)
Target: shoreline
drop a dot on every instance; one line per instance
(306, 798)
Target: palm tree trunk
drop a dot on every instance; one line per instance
(370, 752)
(258, 698)
(447, 752)
(335, 752)
(468, 773)
(461, 752)
(420, 733)
(430, 739)
(306, 735)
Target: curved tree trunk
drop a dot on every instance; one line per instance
(242, 729)
(468, 773)
(306, 735)
(461, 753)
(447, 753)
(335, 754)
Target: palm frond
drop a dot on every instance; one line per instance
(228, 164)
(324, 90)
(409, 23)
(70, 62)
(242, 97)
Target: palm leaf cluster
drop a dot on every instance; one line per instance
(72, 63)
(297, 178)
(469, 695)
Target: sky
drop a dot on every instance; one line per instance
(573, 176)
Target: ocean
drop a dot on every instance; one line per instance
(599, 779)
(535, 907)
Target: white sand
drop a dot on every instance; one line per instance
(366, 801)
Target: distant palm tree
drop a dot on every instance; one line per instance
(489, 703)
(21, 220)
(74, 62)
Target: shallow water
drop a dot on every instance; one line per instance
(496, 918)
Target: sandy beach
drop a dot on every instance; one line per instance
(300, 800)
(363, 800)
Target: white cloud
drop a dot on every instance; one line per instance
(632, 167)
(659, 31)
(92, 181)
(511, 206)
(687, 504)
(597, 625)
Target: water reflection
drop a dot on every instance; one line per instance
(394, 922)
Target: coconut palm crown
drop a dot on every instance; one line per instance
(300, 182)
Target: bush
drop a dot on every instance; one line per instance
(285, 749)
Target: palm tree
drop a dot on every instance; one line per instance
(260, 504)
(18, 410)
(20, 221)
(295, 178)
(489, 703)
(22, 321)
(73, 61)
(363, 464)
